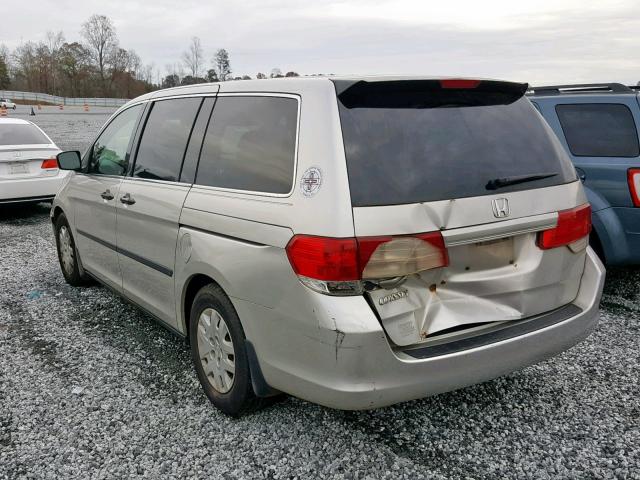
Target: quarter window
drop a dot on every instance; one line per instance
(599, 129)
(109, 153)
(250, 144)
(165, 139)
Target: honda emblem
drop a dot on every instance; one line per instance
(500, 207)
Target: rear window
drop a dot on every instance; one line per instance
(21, 134)
(406, 143)
(599, 129)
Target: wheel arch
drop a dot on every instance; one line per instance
(191, 287)
(57, 211)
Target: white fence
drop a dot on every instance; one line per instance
(53, 99)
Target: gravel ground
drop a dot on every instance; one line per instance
(92, 387)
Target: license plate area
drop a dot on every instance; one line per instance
(18, 168)
(485, 255)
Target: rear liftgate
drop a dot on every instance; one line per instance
(435, 157)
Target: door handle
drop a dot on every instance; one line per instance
(127, 199)
(107, 195)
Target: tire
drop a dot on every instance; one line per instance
(68, 254)
(217, 342)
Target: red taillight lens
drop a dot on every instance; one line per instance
(459, 83)
(49, 163)
(349, 259)
(573, 225)
(633, 176)
(322, 258)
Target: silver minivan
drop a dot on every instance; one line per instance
(355, 242)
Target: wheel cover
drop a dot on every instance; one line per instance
(215, 349)
(66, 250)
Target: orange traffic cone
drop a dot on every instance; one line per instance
(61, 107)
(3, 111)
(86, 107)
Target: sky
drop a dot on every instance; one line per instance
(542, 42)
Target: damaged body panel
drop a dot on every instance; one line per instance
(496, 270)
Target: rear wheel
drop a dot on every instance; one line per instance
(219, 353)
(68, 254)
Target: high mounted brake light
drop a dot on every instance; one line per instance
(633, 177)
(336, 266)
(459, 83)
(572, 230)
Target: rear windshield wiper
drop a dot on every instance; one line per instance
(497, 183)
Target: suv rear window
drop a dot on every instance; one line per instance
(599, 129)
(21, 134)
(411, 142)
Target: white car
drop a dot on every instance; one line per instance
(28, 167)
(6, 103)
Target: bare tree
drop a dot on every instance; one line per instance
(100, 35)
(54, 41)
(222, 65)
(192, 58)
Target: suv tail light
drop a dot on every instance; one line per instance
(49, 163)
(337, 266)
(572, 230)
(633, 176)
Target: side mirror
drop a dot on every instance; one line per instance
(69, 160)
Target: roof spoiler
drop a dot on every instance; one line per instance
(431, 93)
(581, 88)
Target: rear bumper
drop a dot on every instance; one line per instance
(31, 189)
(354, 367)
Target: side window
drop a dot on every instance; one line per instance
(250, 144)
(164, 140)
(190, 163)
(108, 155)
(599, 129)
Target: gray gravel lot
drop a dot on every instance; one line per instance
(92, 387)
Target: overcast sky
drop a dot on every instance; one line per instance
(545, 41)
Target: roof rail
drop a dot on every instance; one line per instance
(581, 88)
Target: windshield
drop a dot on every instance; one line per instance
(435, 144)
(21, 134)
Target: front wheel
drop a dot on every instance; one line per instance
(219, 353)
(68, 254)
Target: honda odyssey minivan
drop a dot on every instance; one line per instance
(355, 242)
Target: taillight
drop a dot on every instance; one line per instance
(49, 163)
(324, 258)
(573, 229)
(633, 177)
(459, 83)
(388, 257)
(337, 266)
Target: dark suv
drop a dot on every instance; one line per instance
(598, 126)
